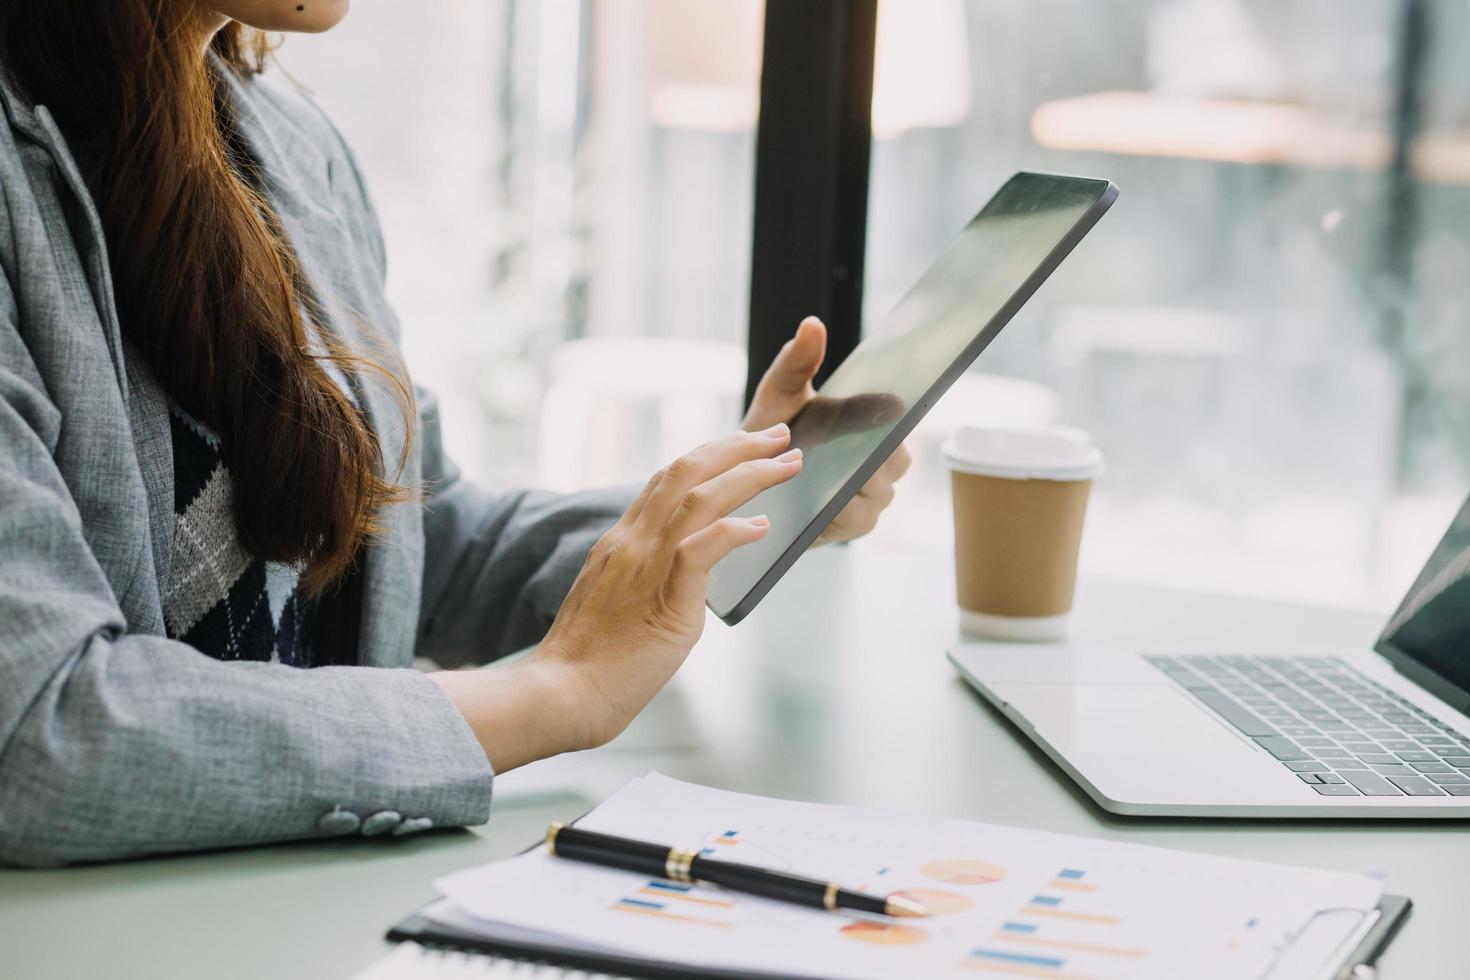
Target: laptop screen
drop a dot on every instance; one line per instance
(1432, 625)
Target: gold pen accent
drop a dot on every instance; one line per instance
(830, 898)
(898, 905)
(551, 833)
(677, 864)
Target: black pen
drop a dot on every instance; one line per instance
(662, 861)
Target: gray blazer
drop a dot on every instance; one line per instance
(116, 741)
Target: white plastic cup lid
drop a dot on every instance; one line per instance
(1054, 452)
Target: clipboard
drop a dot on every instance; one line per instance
(436, 935)
(1369, 939)
(1393, 911)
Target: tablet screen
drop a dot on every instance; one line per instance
(877, 395)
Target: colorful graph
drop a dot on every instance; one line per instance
(1024, 934)
(1046, 906)
(884, 934)
(963, 871)
(693, 894)
(1046, 948)
(1017, 964)
(1070, 879)
(676, 902)
(733, 845)
(938, 902)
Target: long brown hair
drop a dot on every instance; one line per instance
(206, 285)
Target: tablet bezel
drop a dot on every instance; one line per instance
(920, 408)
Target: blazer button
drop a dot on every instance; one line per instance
(338, 822)
(380, 823)
(413, 825)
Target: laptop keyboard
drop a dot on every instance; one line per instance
(1341, 732)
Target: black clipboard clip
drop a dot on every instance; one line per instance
(1362, 962)
(1355, 943)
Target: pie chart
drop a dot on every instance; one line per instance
(938, 902)
(883, 934)
(963, 871)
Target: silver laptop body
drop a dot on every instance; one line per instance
(1294, 733)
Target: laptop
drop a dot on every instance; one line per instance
(1351, 733)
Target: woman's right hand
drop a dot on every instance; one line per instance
(635, 610)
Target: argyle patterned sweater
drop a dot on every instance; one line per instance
(219, 598)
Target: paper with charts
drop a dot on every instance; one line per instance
(1006, 902)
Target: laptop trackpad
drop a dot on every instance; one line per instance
(1122, 719)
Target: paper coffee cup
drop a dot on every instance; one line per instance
(1020, 496)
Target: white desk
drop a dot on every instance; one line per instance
(836, 689)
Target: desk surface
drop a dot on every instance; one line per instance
(790, 703)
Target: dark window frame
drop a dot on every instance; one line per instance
(813, 146)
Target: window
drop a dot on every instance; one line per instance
(565, 188)
(1268, 333)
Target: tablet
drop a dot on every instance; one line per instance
(881, 391)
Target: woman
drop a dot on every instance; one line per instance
(212, 474)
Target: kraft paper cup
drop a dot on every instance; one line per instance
(1020, 496)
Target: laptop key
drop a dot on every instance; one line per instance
(1329, 777)
(1401, 769)
(1420, 756)
(1400, 745)
(1416, 785)
(1334, 754)
(1457, 789)
(1307, 766)
(1378, 758)
(1282, 748)
(1441, 778)
(1315, 741)
(1432, 767)
(1370, 783)
(1458, 761)
(1233, 711)
(1309, 777)
(1341, 789)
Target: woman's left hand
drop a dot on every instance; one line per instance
(786, 388)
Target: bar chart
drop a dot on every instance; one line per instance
(1049, 932)
(677, 902)
(1003, 901)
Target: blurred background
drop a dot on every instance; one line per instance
(1269, 335)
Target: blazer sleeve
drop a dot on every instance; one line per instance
(115, 744)
(497, 566)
